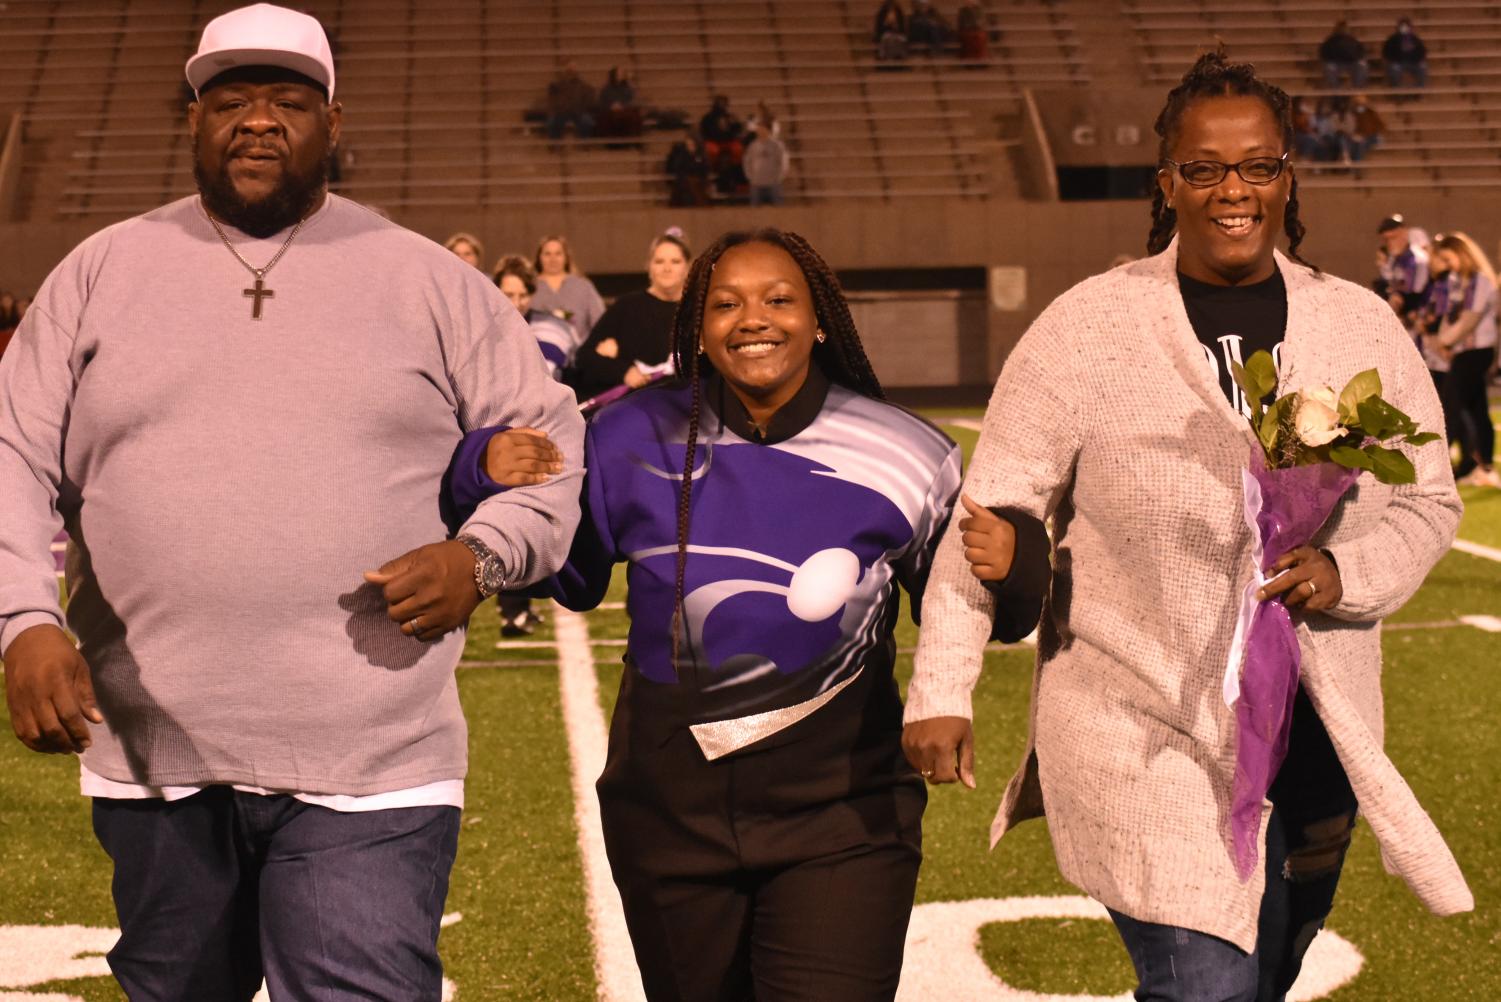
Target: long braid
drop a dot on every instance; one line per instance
(1164, 222)
(841, 358)
(1213, 75)
(1294, 228)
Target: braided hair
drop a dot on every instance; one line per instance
(1213, 75)
(840, 356)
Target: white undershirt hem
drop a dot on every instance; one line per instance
(443, 793)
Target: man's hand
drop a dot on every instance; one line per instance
(608, 348)
(1306, 578)
(430, 590)
(520, 457)
(942, 749)
(989, 541)
(49, 691)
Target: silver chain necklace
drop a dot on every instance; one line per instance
(260, 291)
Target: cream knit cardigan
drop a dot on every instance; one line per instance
(1107, 418)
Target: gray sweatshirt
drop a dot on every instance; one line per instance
(227, 480)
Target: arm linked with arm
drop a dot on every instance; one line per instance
(503, 382)
(1032, 433)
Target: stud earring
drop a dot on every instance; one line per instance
(821, 337)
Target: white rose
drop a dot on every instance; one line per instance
(1317, 417)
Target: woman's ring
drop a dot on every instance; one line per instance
(927, 774)
(413, 624)
(1313, 589)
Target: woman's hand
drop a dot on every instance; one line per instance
(521, 457)
(989, 541)
(635, 378)
(608, 348)
(942, 749)
(1307, 578)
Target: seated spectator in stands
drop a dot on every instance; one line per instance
(570, 101)
(562, 290)
(891, 32)
(1314, 130)
(618, 114)
(1405, 53)
(723, 134)
(466, 247)
(1343, 55)
(1360, 129)
(688, 172)
(1402, 259)
(974, 39)
(926, 28)
(766, 164)
(8, 318)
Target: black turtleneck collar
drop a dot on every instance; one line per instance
(789, 419)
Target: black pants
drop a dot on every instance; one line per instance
(1465, 404)
(217, 889)
(782, 872)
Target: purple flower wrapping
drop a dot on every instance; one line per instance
(1292, 506)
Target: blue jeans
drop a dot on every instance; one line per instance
(766, 194)
(583, 125)
(1357, 72)
(222, 888)
(1313, 812)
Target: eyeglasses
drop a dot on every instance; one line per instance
(1208, 173)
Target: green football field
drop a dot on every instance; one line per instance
(530, 910)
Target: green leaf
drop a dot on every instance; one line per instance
(1363, 386)
(1270, 423)
(1421, 438)
(1389, 466)
(1380, 420)
(1350, 457)
(1261, 374)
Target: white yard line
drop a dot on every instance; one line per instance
(614, 963)
(1490, 624)
(1478, 550)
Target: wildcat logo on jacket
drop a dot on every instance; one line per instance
(793, 549)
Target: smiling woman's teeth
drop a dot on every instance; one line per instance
(1236, 224)
(755, 348)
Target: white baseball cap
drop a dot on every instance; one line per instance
(262, 35)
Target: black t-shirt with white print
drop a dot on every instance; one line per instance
(1233, 322)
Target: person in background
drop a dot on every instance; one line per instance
(1365, 128)
(974, 38)
(1343, 55)
(9, 318)
(1467, 337)
(890, 36)
(562, 289)
(723, 136)
(1403, 265)
(631, 340)
(926, 28)
(517, 280)
(618, 114)
(467, 247)
(688, 172)
(766, 165)
(556, 338)
(1404, 54)
(570, 101)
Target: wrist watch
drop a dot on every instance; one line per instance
(489, 573)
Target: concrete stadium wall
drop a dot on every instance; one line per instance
(1041, 249)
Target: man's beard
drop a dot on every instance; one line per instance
(288, 203)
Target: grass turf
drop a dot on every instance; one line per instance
(518, 885)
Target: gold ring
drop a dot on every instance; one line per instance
(1313, 589)
(927, 774)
